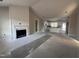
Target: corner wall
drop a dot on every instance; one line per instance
(19, 16)
(73, 24)
(32, 18)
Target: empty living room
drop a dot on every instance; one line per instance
(39, 28)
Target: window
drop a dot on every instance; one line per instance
(64, 26)
(54, 24)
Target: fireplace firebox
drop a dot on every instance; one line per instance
(20, 33)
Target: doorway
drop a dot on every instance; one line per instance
(65, 26)
(36, 25)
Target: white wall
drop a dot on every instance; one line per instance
(19, 14)
(17, 17)
(5, 23)
(78, 26)
(10, 17)
(32, 18)
(73, 24)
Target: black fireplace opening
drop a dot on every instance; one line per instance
(20, 33)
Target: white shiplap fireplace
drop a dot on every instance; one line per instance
(19, 32)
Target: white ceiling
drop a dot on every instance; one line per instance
(18, 2)
(52, 8)
(45, 8)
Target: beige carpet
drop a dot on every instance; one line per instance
(57, 47)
